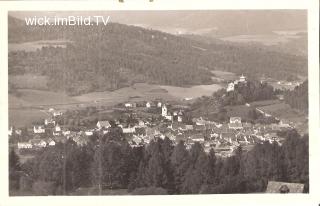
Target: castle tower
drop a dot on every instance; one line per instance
(242, 78)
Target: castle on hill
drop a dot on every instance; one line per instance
(242, 80)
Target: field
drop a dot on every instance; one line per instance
(284, 111)
(33, 98)
(31, 105)
(192, 92)
(25, 117)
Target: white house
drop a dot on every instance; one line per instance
(49, 121)
(57, 128)
(164, 111)
(159, 104)
(51, 142)
(103, 124)
(66, 132)
(169, 116)
(129, 130)
(38, 129)
(148, 104)
(128, 105)
(57, 113)
(18, 131)
(235, 123)
(10, 131)
(88, 133)
(179, 118)
(230, 87)
(24, 145)
(235, 119)
(38, 142)
(284, 123)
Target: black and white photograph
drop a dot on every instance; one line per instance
(158, 102)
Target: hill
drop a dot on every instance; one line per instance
(100, 58)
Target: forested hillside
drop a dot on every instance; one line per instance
(298, 98)
(113, 56)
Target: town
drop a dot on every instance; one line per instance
(142, 122)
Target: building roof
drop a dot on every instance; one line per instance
(233, 119)
(104, 123)
(36, 141)
(235, 125)
(284, 187)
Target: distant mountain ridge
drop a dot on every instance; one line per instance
(113, 56)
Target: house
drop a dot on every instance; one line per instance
(49, 122)
(148, 104)
(140, 131)
(199, 127)
(247, 125)
(235, 119)
(50, 142)
(169, 117)
(197, 137)
(235, 125)
(65, 133)
(18, 131)
(179, 118)
(39, 129)
(159, 104)
(151, 132)
(189, 127)
(137, 140)
(284, 187)
(24, 145)
(57, 128)
(38, 142)
(284, 123)
(128, 104)
(88, 133)
(56, 113)
(230, 87)
(129, 130)
(10, 131)
(141, 123)
(61, 139)
(80, 140)
(103, 124)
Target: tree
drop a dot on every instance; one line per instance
(180, 162)
(14, 168)
(156, 173)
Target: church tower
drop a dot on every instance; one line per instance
(164, 110)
